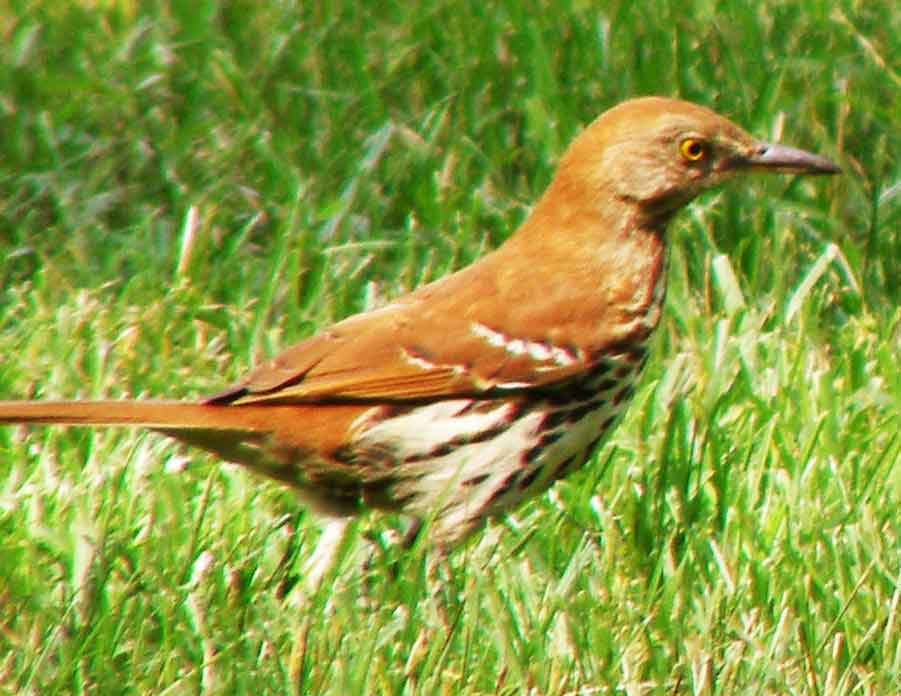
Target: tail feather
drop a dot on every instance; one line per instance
(168, 415)
(273, 439)
(237, 434)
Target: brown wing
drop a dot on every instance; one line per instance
(404, 352)
(496, 326)
(433, 343)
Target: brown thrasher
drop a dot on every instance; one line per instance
(461, 399)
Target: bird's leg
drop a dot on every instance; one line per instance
(412, 533)
(325, 555)
(335, 518)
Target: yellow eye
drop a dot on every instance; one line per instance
(693, 149)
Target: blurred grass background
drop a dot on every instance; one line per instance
(187, 187)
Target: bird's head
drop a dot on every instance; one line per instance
(658, 154)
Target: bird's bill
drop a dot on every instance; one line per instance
(781, 158)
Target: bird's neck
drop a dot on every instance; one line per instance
(603, 259)
(614, 237)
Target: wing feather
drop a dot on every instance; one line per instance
(442, 341)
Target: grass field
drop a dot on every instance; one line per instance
(187, 187)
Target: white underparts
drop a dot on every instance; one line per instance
(460, 460)
(488, 445)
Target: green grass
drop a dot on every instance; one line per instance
(186, 187)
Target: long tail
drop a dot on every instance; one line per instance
(233, 433)
(158, 415)
(275, 440)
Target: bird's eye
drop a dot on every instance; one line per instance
(693, 149)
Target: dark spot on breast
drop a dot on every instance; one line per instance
(439, 451)
(546, 441)
(639, 354)
(453, 444)
(482, 406)
(622, 372)
(566, 416)
(532, 454)
(579, 413)
(505, 486)
(578, 389)
(593, 445)
(624, 395)
(607, 424)
(529, 478)
(567, 466)
(632, 355)
(555, 418)
(476, 480)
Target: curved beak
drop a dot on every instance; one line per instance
(781, 158)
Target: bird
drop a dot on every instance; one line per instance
(456, 402)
